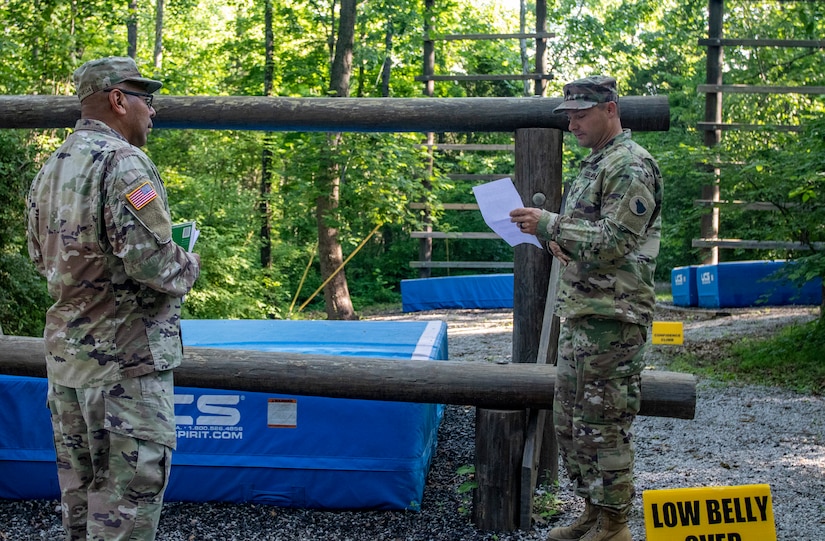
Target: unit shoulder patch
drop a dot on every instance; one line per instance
(638, 205)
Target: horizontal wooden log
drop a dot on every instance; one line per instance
(474, 235)
(639, 113)
(478, 177)
(487, 37)
(736, 126)
(444, 206)
(748, 42)
(462, 264)
(469, 147)
(487, 77)
(759, 205)
(489, 385)
(761, 89)
(740, 244)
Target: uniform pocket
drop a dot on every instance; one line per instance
(611, 460)
(141, 440)
(139, 420)
(605, 401)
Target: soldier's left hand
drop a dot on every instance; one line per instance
(527, 219)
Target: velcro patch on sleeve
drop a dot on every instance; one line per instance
(141, 196)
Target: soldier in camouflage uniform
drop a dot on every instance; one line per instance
(607, 239)
(99, 230)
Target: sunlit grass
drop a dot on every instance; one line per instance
(794, 358)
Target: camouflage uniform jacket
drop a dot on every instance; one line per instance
(610, 227)
(99, 230)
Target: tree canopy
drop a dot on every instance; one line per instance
(220, 47)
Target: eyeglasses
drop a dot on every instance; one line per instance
(148, 98)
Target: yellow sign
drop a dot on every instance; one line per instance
(739, 513)
(668, 332)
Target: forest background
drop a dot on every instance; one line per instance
(268, 203)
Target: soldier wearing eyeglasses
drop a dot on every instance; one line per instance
(100, 231)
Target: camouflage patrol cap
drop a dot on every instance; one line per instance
(588, 92)
(102, 73)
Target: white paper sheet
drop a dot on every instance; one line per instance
(495, 200)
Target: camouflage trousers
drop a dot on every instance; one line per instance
(114, 448)
(597, 397)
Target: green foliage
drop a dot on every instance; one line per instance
(546, 502)
(468, 484)
(216, 47)
(786, 170)
(23, 296)
(791, 359)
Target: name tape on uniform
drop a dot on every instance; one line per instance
(737, 513)
(668, 332)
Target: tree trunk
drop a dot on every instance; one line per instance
(266, 153)
(387, 66)
(157, 60)
(263, 203)
(341, 71)
(330, 254)
(131, 29)
(541, 47)
(525, 61)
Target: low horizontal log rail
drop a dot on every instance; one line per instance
(483, 384)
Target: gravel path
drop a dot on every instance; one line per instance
(741, 435)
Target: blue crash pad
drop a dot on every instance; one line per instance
(291, 451)
(473, 291)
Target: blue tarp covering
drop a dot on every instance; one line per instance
(683, 286)
(475, 291)
(752, 283)
(291, 451)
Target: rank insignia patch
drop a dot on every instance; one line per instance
(142, 196)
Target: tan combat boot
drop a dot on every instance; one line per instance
(610, 526)
(580, 527)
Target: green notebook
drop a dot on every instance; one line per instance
(185, 234)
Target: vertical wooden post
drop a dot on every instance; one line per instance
(713, 113)
(539, 170)
(425, 245)
(497, 500)
(499, 443)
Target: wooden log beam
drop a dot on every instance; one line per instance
(744, 244)
(497, 386)
(639, 113)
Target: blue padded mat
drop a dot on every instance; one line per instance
(291, 451)
(474, 291)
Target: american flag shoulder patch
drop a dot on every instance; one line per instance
(141, 197)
